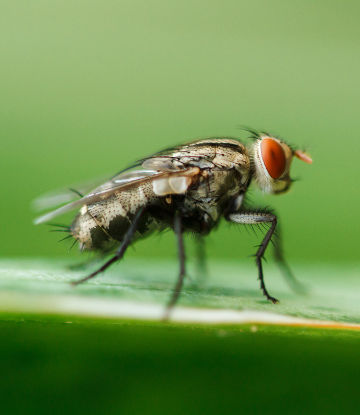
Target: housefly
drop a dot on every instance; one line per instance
(187, 188)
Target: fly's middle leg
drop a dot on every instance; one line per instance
(253, 218)
(181, 252)
(121, 250)
(202, 271)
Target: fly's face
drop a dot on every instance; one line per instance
(272, 160)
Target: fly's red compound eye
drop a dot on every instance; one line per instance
(273, 157)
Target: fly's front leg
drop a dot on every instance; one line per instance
(254, 218)
(181, 252)
(121, 250)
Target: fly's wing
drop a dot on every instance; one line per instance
(164, 183)
(174, 167)
(60, 196)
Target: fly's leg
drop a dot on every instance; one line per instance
(253, 218)
(284, 266)
(121, 250)
(201, 267)
(181, 252)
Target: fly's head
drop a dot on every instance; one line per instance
(272, 159)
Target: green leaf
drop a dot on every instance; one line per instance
(141, 289)
(97, 348)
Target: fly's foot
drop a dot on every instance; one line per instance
(272, 299)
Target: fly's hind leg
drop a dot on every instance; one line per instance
(254, 218)
(121, 250)
(181, 252)
(284, 266)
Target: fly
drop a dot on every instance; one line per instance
(187, 188)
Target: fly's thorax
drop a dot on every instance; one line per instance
(216, 183)
(212, 194)
(220, 154)
(208, 154)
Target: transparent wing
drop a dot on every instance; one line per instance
(158, 166)
(65, 195)
(164, 183)
(60, 196)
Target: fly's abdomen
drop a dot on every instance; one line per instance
(102, 225)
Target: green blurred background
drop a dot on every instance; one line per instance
(87, 87)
